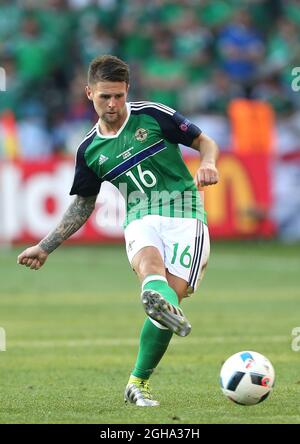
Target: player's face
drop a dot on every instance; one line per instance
(109, 99)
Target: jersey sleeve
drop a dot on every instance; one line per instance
(86, 182)
(177, 128)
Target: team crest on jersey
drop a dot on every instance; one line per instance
(141, 134)
(102, 159)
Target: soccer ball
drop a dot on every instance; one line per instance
(247, 378)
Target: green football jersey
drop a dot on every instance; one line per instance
(144, 162)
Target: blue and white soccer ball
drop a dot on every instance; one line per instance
(247, 378)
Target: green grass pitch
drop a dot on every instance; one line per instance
(72, 335)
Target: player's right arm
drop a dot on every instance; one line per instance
(73, 219)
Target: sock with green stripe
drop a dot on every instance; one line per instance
(159, 283)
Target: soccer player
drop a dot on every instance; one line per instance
(135, 147)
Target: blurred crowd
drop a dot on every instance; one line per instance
(193, 55)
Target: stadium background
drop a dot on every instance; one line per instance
(229, 66)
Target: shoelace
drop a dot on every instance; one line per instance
(145, 389)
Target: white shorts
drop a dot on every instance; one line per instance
(183, 244)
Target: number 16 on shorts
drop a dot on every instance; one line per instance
(184, 257)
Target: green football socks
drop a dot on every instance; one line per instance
(154, 342)
(154, 338)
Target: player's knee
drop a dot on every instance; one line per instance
(147, 268)
(145, 264)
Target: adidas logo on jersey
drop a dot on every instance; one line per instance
(102, 159)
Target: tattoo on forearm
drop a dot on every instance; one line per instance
(75, 216)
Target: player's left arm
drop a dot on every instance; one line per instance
(177, 129)
(207, 173)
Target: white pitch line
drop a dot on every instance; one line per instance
(134, 342)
